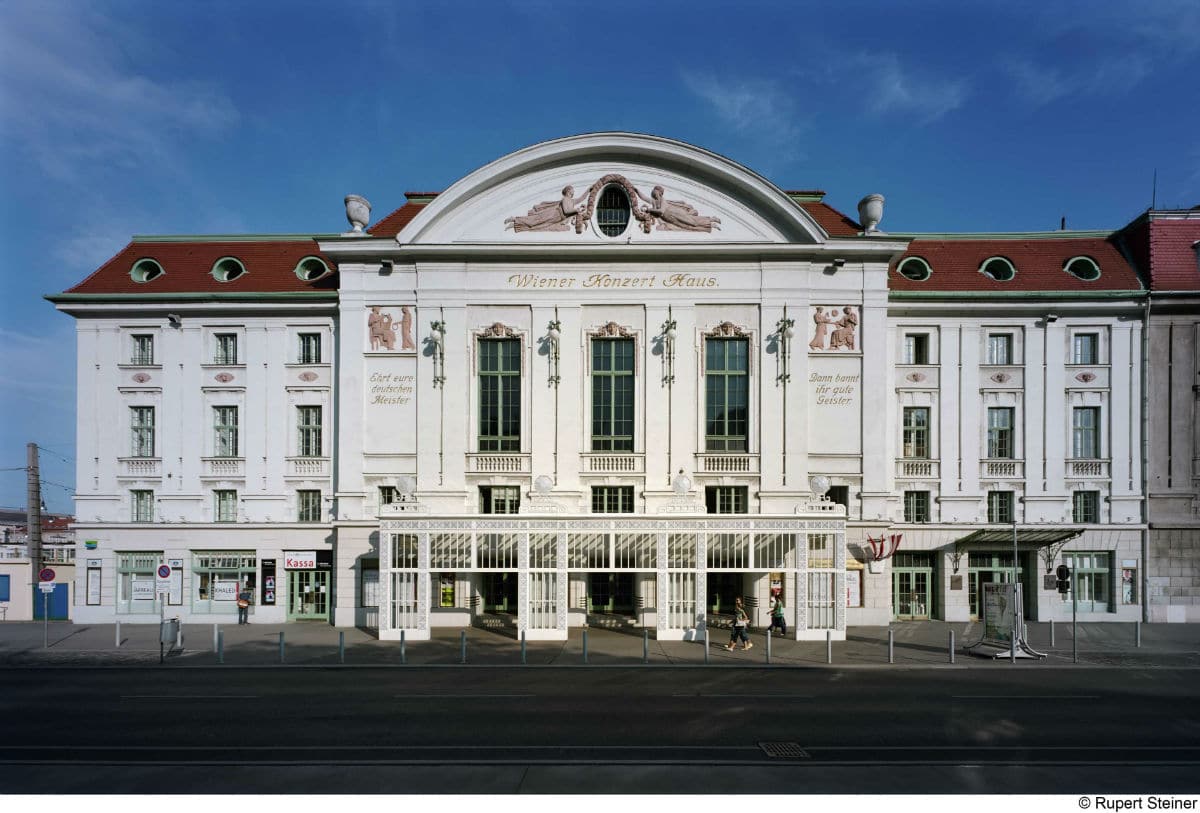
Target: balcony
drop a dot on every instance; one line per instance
(726, 464)
(137, 468)
(307, 467)
(1089, 469)
(487, 463)
(613, 463)
(222, 468)
(1003, 469)
(917, 469)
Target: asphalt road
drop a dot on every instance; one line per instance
(624, 730)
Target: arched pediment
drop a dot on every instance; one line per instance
(552, 193)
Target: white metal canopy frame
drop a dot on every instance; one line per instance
(808, 550)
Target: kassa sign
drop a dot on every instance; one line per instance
(300, 560)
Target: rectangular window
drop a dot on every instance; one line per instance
(916, 348)
(369, 584)
(309, 424)
(840, 495)
(1085, 506)
(916, 506)
(143, 350)
(1085, 435)
(224, 505)
(999, 348)
(1000, 433)
(225, 431)
(226, 345)
(308, 506)
(612, 499)
(726, 394)
(141, 506)
(726, 499)
(141, 423)
(1000, 506)
(612, 395)
(218, 577)
(1085, 348)
(135, 581)
(916, 432)
(446, 590)
(387, 495)
(499, 499)
(310, 348)
(500, 395)
(1091, 578)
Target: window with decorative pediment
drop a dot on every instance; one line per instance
(614, 353)
(499, 391)
(726, 389)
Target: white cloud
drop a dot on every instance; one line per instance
(750, 106)
(894, 88)
(74, 103)
(1042, 84)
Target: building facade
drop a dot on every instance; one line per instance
(612, 379)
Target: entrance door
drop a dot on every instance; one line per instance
(308, 595)
(992, 568)
(722, 589)
(500, 592)
(58, 603)
(610, 593)
(912, 586)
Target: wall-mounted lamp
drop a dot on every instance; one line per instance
(174, 319)
(553, 334)
(839, 262)
(668, 337)
(437, 337)
(1051, 317)
(785, 330)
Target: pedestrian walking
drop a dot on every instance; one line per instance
(741, 622)
(777, 620)
(243, 604)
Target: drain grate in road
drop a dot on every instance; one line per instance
(783, 750)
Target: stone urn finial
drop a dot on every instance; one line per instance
(870, 212)
(358, 212)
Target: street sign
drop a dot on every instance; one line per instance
(164, 571)
(47, 587)
(46, 574)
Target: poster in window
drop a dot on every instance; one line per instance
(93, 586)
(268, 575)
(854, 597)
(224, 591)
(143, 589)
(1129, 585)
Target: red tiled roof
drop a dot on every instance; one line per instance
(1039, 263)
(391, 225)
(270, 268)
(1173, 263)
(831, 220)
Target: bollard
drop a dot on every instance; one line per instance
(828, 646)
(403, 648)
(951, 646)
(645, 646)
(341, 647)
(1052, 633)
(768, 646)
(706, 645)
(522, 647)
(462, 643)
(1138, 638)
(281, 646)
(220, 647)
(891, 645)
(216, 633)
(585, 644)
(119, 634)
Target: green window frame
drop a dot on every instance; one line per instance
(916, 506)
(308, 505)
(499, 395)
(916, 433)
(224, 505)
(726, 499)
(225, 431)
(141, 429)
(1091, 577)
(141, 504)
(308, 420)
(1085, 435)
(1000, 433)
(499, 499)
(1000, 506)
(225, 348)
(612, 499)
(310, 348)
(143, 350)
(612, 395)
(136, 566)
(1085, 507)
(726, 394)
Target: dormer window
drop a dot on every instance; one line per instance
(612, 215)
(914, 268)
(311, 268)
(998, 268)
(1084, 268)
(227, 269)
(146, 270)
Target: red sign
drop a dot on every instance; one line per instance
(46, 574)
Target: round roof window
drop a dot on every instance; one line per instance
(146, 271)
(227, 269)
(1083, 267)
(311, 268)
(612, 214)
(999, 269)
(914, 268)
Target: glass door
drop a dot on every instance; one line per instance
(308, 595)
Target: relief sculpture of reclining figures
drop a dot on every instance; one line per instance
(558, 215)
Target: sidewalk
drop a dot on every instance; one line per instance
(917, 645)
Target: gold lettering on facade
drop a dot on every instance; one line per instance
(612, 281)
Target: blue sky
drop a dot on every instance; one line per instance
(124, 117)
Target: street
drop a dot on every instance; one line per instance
(637, 729)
